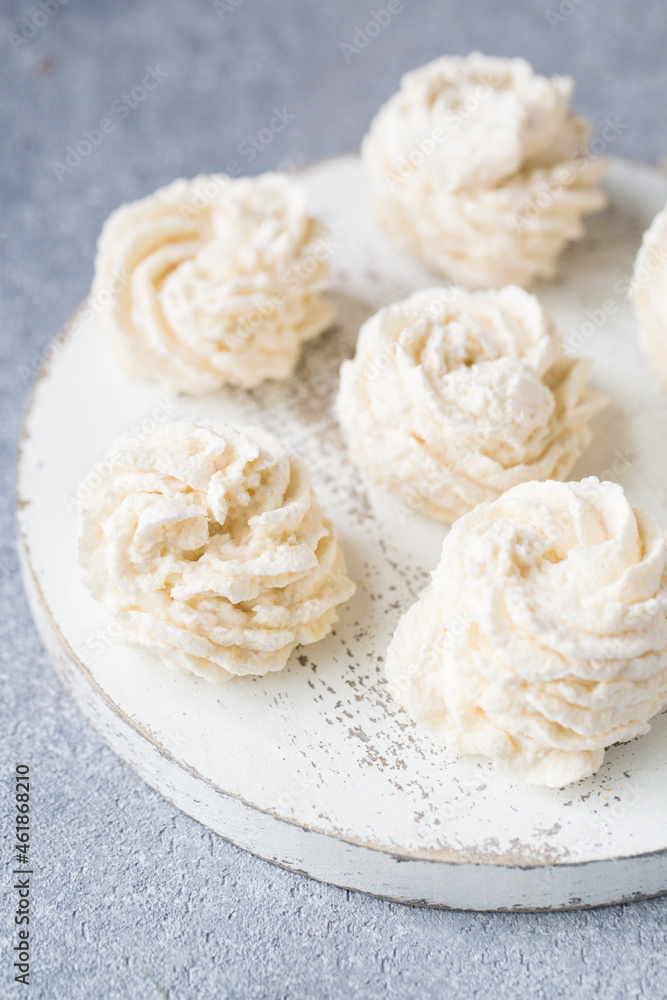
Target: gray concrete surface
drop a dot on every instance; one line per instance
(131, 899)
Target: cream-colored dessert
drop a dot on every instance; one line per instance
(542, 638)
(213, 281)
(209, 546)
(648, 292)
(480, 168)
(454, 396)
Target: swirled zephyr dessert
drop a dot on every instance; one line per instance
(542, 638)
(208, 544)
(454, 397)
(479, 167)
(213, 281)
(648, 291)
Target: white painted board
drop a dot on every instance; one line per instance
(315, 768)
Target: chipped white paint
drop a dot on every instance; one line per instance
(314, 767)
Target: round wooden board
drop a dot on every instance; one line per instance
(315, 768)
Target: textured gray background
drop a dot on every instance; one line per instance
(132, 899)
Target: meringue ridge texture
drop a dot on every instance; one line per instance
(208, 545)
(213, 281)
(479, 168)
(648, 292)
(453, 397)
(542, 638)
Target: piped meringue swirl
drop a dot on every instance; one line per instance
(453, 397)
(209, 546)
(213, 281)
(542, 638)
(479, 168)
